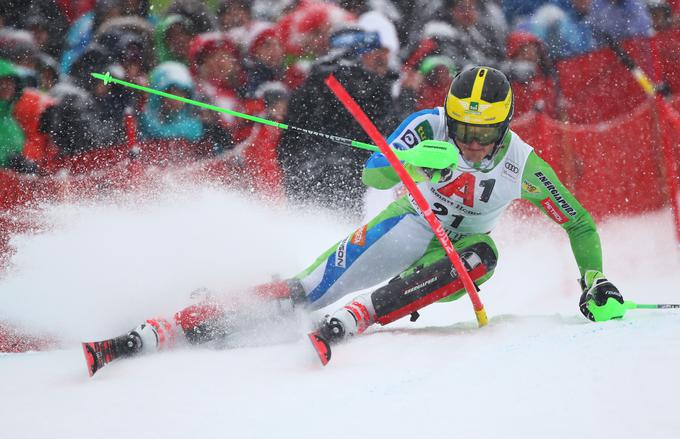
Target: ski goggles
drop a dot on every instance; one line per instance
(483, 134)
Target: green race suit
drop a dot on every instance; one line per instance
(468, 201)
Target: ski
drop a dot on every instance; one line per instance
(321, 346)
(100, 353)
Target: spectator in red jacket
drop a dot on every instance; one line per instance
(266, 62)
(215, 63)
(27, 112)
(306, 30)
(258, 153)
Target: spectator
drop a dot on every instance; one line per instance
(48, 24)
(201, 18)
(307, 28)
(94, 59)
(374, 21)
(619, 19)
(236, 20)
(233, 14)
(111, 33)
(415, 14)
(47, 72)
(565, 32)
(168, 118)
(12, 137)
(538, 92)
(133, 55)
(109, 101)
(216, 66)
(320, 171)
(427, 87)
(19, 47)
(82, 31)
(130, 41)
(483, 26)
(68, 122)
(266, 62)
(258, 153)
(38, 151)
(172, 37)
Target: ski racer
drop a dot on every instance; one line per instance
(496, 167)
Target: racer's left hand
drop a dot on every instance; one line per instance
(600, 299)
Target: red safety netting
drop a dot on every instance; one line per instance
(597, 86)
(613, 168)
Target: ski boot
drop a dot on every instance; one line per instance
(147, 337)
(347, 322)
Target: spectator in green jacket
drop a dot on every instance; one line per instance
(11, 135)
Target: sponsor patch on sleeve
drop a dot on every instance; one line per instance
(409, 138)
(424, 131)
(528, 187)
(553, 211)
(359, 236)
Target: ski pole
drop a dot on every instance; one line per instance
(410, 185)
(427, 154)
(612, 309)
(653, 305)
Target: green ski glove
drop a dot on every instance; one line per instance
(600, 300)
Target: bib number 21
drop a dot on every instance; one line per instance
(464, 187)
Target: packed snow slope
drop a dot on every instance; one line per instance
(539, 369)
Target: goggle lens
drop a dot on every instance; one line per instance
(484, 135)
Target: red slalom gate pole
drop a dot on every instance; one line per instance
(434, 222)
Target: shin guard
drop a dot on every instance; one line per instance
(426, 285)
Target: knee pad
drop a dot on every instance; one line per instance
(404, 296)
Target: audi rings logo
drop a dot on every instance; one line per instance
(512, 168)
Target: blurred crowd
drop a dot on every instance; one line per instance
(269, 58)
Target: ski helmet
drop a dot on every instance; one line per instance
(479, 107)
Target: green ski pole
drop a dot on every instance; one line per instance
(432, 154)
(612, 309)
(655, 306)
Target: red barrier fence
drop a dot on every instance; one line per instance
(613, 168)
(597, 87)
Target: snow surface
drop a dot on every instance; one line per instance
(539, 369)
